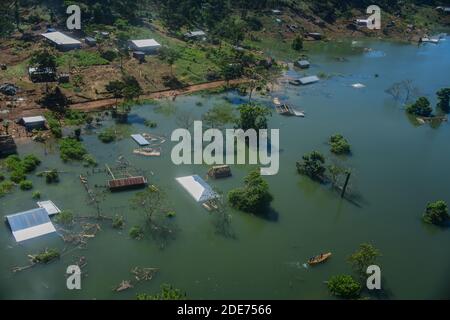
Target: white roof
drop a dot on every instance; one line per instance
(197, 188)
(49, 206)
(145, 43)
(60, 38)
(197, 33)
(30, 224)
(36, 119)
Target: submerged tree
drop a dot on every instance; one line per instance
(444, 100)
(152, 203)
(219, 116)
(252, 116)
(254, 197)
(403, 91)
(167, 292)
(344, 286)
(420, 108)
(312, 165)
(366, 256)
(436, 213)
(339, 145)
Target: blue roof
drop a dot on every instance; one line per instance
(28, 219)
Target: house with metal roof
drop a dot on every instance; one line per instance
(303, 64)
(30, 224)
(197, 188)
(146, 45)
(199, 34)
(62, 41)
(31, 123)
(140, 140)
(49, 206)
(308, 80)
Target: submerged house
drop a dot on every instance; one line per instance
(362, 22)
(148, 46)
(127, 183)
(303, 64)
(30, 224)
(218, 172)
(7, 145)
(31, 123)
(92, 42)
(61, 41)
(308, 80)
(197, 188)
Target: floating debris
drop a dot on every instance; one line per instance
(358, 85)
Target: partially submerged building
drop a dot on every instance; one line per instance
(127, 183)
(49, 206)
(7, 145)
(140, 140)
(218, 172)
(148, 46)
(197, 188)
(61, 41)
(303, 64)
(30, 224)
(92, 42)
(31, 123)
(309, 80)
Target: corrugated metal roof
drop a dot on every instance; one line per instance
(197, 188)
(127, 182)
(145, 43)
(30, 224)
(60, 38)
(308, 80)
(37, 119)
(49, 206)
(140, 140)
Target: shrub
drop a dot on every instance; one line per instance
(17, 176)
(436, 213)
(26, 185)
(118, 222)
(136, 233)
(36, 195)
(344, 286)
(64, 217)
(339, 144)
(71, 149)
(30, 163)
(107, 136)
(45, 256)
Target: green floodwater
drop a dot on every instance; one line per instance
(397, 168)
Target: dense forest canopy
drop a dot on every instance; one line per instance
(210, 14)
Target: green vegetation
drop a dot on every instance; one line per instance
(26, 185)
(81, 58)
(254, 197)
(313, 166)
(167, 292)
(71, 149)
(344, 286)
(444, 99)
(150, 124)
(297, 44)
(366, 256)
(19, 168)
(36, 195)
(219, 116)
(136, 233)
(45, 256)
(65, 217)
(252, 116)
(51, 176)
(420, 108)
(436, 213)
(107, 135)
(129, 88)
(5, 188)
(42, 60)
(339, 144)
(118, 222)
(89, 161)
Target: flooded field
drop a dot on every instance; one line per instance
(398, 167)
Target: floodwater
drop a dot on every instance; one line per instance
(397, 167)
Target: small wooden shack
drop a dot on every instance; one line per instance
(127, 183)
(218, 172)
(7, 145)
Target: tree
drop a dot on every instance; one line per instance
(219, 115)
(167, 292)
(339, 145)
(444, 99)
(312, 166)
(403, 90)
(56, 101)
(297, 44)
(254, 197)
(170, 56)
(344, 286)
(43, 59)
(366, 256)
(436, 213)
(252, 116)
(420, 108)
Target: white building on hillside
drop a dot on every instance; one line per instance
(146, 45)
(62, 41)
